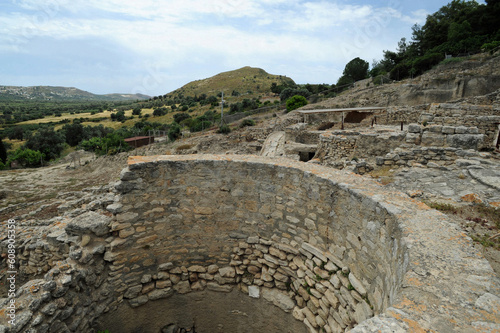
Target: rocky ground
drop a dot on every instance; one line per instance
(468, 190)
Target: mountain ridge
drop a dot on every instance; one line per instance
(59, 93)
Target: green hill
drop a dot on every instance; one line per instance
(244, 81)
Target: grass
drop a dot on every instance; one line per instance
(184, 147)
(486, 217)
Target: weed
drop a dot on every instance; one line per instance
(184, 147)
(350, 287)
(443, 207)
(486, 241)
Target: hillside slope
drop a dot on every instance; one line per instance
(463, 78)
(246, 80)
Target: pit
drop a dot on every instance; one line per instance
(203, 243)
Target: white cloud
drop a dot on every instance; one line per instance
(303, 36)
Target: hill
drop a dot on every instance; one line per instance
(49, 93)
(246, 80)
(451, 80)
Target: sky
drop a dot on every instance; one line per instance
(156, 46)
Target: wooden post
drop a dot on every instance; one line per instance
(342, 120)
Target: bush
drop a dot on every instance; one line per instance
(490, 46)
(295, 102)
(174, 132)
(247, 122)
(179, 117)
(224, 129)
(27, 157)
(112, 144)
(48, 142)
(200, 125)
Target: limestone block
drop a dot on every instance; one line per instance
(135, 302)
(414, 128)
(227, 272)
(435, 128)
(432, 139)
(314, 251)
(460, 130)
(254, 291)
(183, 287)
(197, 269)
(214, 286)
(465, 141)
(448, 130)
(90, 222)
(357, 285)
(133, 291)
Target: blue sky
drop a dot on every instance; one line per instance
(156, 46)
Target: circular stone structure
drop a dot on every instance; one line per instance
(210, 243)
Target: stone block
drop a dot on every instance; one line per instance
(460, 130)
(414, 128)
(89, 222)
(448, 130)
(435, 128)
(357, 285)
(279, 299)
(227, 272)
(432, 139)
(465, 141)
(413, 138)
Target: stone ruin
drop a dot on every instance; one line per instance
(433, 135)
(211, 243)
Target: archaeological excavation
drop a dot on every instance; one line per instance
(317, 220)
(239, 244)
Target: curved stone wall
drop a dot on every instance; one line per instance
(228, 243)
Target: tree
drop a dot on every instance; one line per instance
(178, 117)
(119, 116)
(48, 142)
(3, 152)
(174, 132)
(74, 133)
(295, 102)
(289, 92)
(137, 111)
(27, 157)
(356, 69)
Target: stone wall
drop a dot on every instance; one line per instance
(485, 118)
(186, 224)
(329, 249)
(425, 156)
(338, 147)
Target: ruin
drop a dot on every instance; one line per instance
(243, 243)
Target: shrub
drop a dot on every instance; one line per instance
(27, 157)
(247, 122)
(295, 102)
(174, 132)
(48, 142)
(224, 129)
(179, 117)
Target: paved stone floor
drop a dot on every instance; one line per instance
(464, 181)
